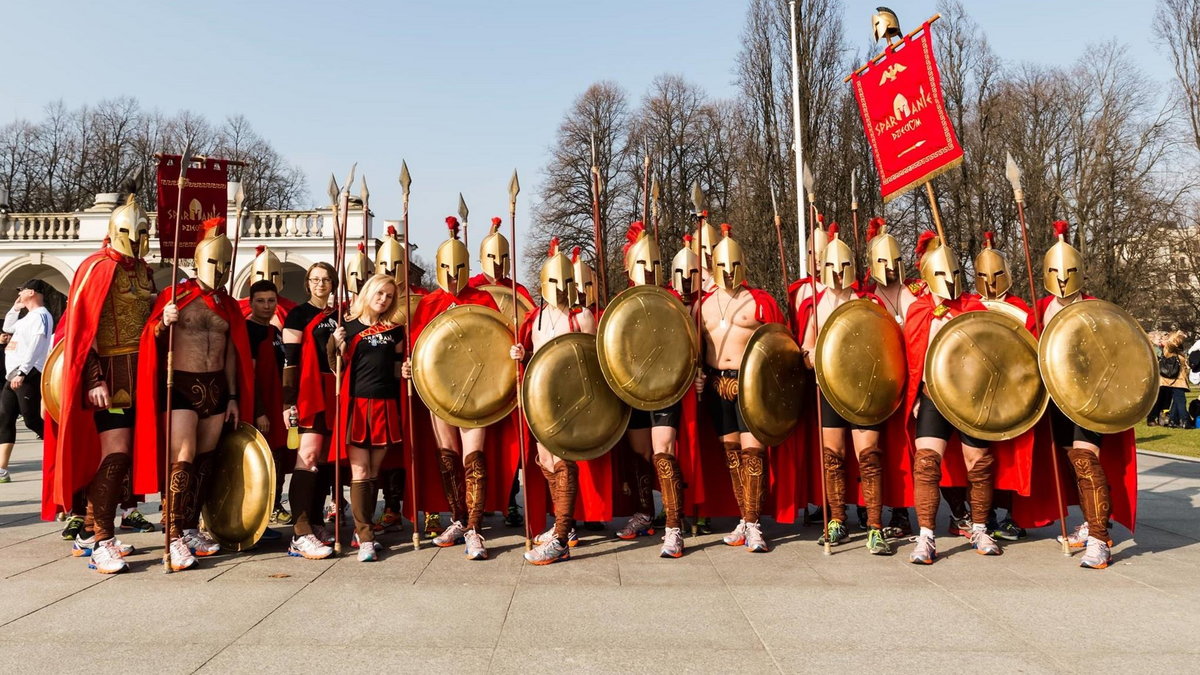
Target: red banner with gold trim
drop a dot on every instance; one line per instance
(900, 99)
(205, 195)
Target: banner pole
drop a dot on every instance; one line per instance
(798, 147)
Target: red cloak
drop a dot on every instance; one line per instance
(312, 392)
(268, 386)
(148, 434)
(401, 460)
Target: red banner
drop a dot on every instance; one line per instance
(205, 195)
(900, 99)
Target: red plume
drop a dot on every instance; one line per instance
(362, 248)
(632, 235)
(391, 231)
(1061, 228)
(923, 242)
(820, 220)
(575, 255)
(213, 227)
(874, 227)
(704, 213)
(258, 250)
(687, 240)
(496, 224)
(726, 228)
(989, 239)
(452, 224)
(553, 246)
(833, 230)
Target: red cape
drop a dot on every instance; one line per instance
(268, 389)
(481, 280)
(310, 393)
(282, 307)
(402, 460)
(148, 437)
(71, 447)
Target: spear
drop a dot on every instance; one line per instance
(797, 142)
(463, 212)
(342, 211)
(366, 210)
(854, 211)
(655, 194)
(809, 187)
(239, 199)
(783, 268)
(699, 206)
(600, 263)
(514, 187)
(1013, 173)
(184, 161)
(414, 478)
(646, 189)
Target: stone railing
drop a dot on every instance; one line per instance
(271, 225)
(39, 226)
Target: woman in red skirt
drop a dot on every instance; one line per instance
(372, 345)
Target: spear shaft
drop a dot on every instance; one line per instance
(414, 481)
(514, 187)
(167, 504)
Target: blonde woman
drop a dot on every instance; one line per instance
(1173, 381)
(372, 346)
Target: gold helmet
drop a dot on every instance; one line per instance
(837, 264)
(452, 261)
(1062, 270)
(213, 254)
(704, 240)
(685, 270)
(358, 270)
(494, 252)
(939, 269)
(389, 257)
(643, 260)
(883, 253)
(129, 229)
(884, 23)
(558, 278)
(820, 239)
(992, 276)
(266, 267)
(585, 280)
(729, 264)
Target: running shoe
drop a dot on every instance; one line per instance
(73, 529)
(547, 552)
(984, 544)
(639, 525)
(738, 536)
(900, 524)
(1078, 538)
(514, 518)
(1097, 556)
(836, 533)
(308, 546)
(323, 534)
(200, 543)
(389, 521)
(86, 546)
(136, 522)
(572, 538)
(5, 476)
(703, 526)
(925, 552)
(280, 516)
(755, 543)
(368, 552)
(1008, 531)
(474, 543)
(451, 536)
(959, 527)
(672, 543)
(181, 556)
(107, 558)
(877, 544)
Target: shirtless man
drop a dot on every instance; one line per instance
(729, 316)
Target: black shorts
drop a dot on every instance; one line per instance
(830, 419)
(931, 422)
(318, 426)
(108, 420)
(206, 394)
(645, 419)
(1067, 432)
(720, 390)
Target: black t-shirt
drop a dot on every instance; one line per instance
(258, 333)
(302, 315)
(373, 368)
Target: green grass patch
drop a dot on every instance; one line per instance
(1172, 441)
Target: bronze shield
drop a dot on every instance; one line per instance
(461, 367)
(981, 372)
(646, 343)
(52, 375)
(568, 405)
(1099, 366)
(400, 316)
(243, 488)
(770, 383)
(860, 362)
(1007, 308)
(503, 295)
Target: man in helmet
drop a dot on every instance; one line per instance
(90, 447)
(585, 280)
(800, 289)
(558, 315)
(466, 456)
(211, 385)
(496, 261)
(266, 349)
(929, 429)
(728, 317)
(266, 267)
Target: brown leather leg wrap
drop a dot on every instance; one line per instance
(670, 482)
(105, 492)
(1093, 490)
(89, 520)
(835, 483)
(182, 485)
(362, 505)
(927, 473)
(980, 479)
(204, 468)
(475, 476)
(300, 495)
(755, 467)
(733, 459)
(450, 464)
(565, 488)
(128, 500)
(870, 473)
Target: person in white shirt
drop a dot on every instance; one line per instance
(31, 327)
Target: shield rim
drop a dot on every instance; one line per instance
(557, 450)
(1006, 308)
(495, 289)
(51, 385)
(602, 353)
(1043, 363)
(259, 442)
(837, 405)
(422, 387)
(756, 337)
(934, 391)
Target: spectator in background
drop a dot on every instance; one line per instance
(1173, 370)
(31, 328)
(1163, 401)
(1193, 358)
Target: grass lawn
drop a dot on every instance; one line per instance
(1173, 441)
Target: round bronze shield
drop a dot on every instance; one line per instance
(243, 488)
(1099, 366)
(461, 367)
(646, 343)
(1007, 308)
(568, 405)
(401, 316)
(981, 372)
(860, 362)
(503, 295)
(770, 389)
(52, 375)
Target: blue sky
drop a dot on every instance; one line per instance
(464, 90)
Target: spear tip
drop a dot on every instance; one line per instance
(699, 200)
(405, 177)
(365, 193)
(655, 189)
(350, 180)
(463, 211)
(1013, 173)
(333, 188)
(514, 186)
(808, 179)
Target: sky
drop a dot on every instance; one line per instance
(463, 90)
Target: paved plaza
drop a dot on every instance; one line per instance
(615, 606)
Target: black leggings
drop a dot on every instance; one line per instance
(27, 401)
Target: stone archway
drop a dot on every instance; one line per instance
(50, 270)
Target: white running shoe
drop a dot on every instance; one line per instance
(200, 543)
(1076, 539)
(107, 558)
(309, 547)
(672, 543)
(572, 538)
(451, 535)
(475, 548)
(367, 551)
(755, 542)
(83, 547)
(181, 555)
(738, 536)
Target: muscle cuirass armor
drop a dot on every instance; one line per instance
(122, 317)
